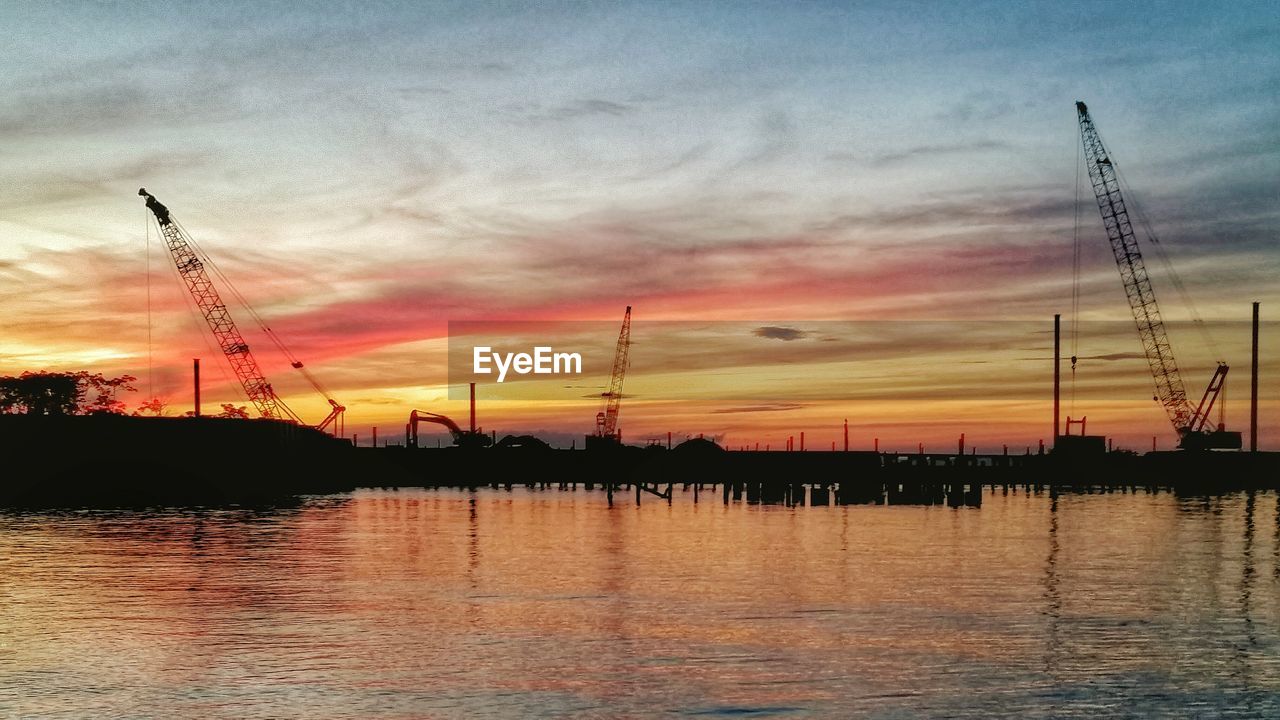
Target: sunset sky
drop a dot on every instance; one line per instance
(367, 172)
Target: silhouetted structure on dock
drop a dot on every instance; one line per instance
(111, 460)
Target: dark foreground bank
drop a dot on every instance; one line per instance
(112, 460)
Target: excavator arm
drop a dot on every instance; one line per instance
(461, 438)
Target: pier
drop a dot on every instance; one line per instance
(824, 478)
(111, 460)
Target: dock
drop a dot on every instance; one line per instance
(114, 460)
(824, 478)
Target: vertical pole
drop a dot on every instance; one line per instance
(1057, 373)
(375, 436)
(473, 408)
(1253, 387)
(846, 434)
(195, 365)
(801, 441)
(877, 441)
(668, 439)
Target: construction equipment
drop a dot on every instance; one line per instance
(1188, 421)
(191, 263)
(607, 419)
(473, 438)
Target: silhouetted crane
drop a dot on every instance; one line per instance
(1189, 421)
(194, 275)
(607, 419)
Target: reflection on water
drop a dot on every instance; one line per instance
(548, 603)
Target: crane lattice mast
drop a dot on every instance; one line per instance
(607, 420)
(1170, 391)
(215, 313)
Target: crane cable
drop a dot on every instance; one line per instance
(208, 261)
(258, 319)
(1075, 278)
(146, 224)
(201, 327)
(1174, 278)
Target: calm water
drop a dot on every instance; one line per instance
(449, 604)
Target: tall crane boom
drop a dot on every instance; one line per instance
(607, 420)
(1133, 274)
(1189, 421)
(215, 313)
(230, 341)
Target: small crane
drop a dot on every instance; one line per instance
(607, 419)
(194, 275)
(1188, 421)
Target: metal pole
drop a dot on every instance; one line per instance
(473, 407)
(846, 434)
(195, 367)
(1057, 374)
(1253, 388)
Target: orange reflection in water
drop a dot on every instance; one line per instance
(495, 603)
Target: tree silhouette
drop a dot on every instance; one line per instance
(231, 411)
(60, 393)
(106, 388)
(154, 407)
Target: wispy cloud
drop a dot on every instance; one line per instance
(924, 152)
(773, 407)
(366, 174)
(774, 332)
